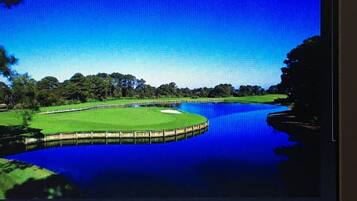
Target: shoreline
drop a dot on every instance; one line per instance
(140, 134)
(19, 147)
(25, 180)
(259, 99)
(296, 128)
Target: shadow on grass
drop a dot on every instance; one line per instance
(12, 166)
(11, 138)
(54, 186)
(18, 131)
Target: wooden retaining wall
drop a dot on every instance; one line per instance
(118, 134)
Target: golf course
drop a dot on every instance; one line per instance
(117, 117)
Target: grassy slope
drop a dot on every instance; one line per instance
(246, 99)
(111, 119)
(11, 118)
(13, 173)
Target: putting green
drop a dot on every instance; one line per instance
(114, 119)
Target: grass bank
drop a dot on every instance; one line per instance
(269, 98)
(14, 173)
(108, 119)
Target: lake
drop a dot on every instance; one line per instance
(235, 157)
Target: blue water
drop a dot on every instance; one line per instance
(235, 157)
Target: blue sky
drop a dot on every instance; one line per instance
(194, 43)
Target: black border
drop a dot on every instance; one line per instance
(330, 113)
(348, 99)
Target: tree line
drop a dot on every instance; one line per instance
(25, 92)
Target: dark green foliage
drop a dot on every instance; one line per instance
(201, 92)
(275, 89)
(144, 90)
(249, 90)
(123, 85)
(4, 93)
(48, 91)
(76, 88)
(26, 93)
(26, 117)
(99, 87)
(9, 3)
(167, 90)
(302, 77)
(222, 90)
(6, 61)
(185, 92)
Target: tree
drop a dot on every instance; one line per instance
(128, 84)
(48, 91)
(24, 92)
(167, 90)
(145, 91)
(185, 92)
(99, 87)
(301, 78)
(76, 88)
(275, 89)
(48, 83)
(222, 90)
(6, 61)
(249, 90)
(24, 97)
(5, 93)
(201, 92)
(116, 84)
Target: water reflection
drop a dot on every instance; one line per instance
(15, 145)
(301, 171)
(237, 156)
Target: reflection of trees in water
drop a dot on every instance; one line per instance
(14, 144)
(301, 171)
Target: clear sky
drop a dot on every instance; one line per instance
(194, 43)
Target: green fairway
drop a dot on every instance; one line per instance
(109, 119)
(269, 98)
(255, 99)
(15, 173)
(11, 118)
(120, 119)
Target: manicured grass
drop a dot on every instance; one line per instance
(120, 119)
(255, 99)
(246, 99)
(15, 173)
(11, 118)
(110, 119)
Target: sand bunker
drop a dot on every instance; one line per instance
(171, 111)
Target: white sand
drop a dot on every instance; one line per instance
(171, 111)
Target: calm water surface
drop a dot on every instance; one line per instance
(235, 157)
